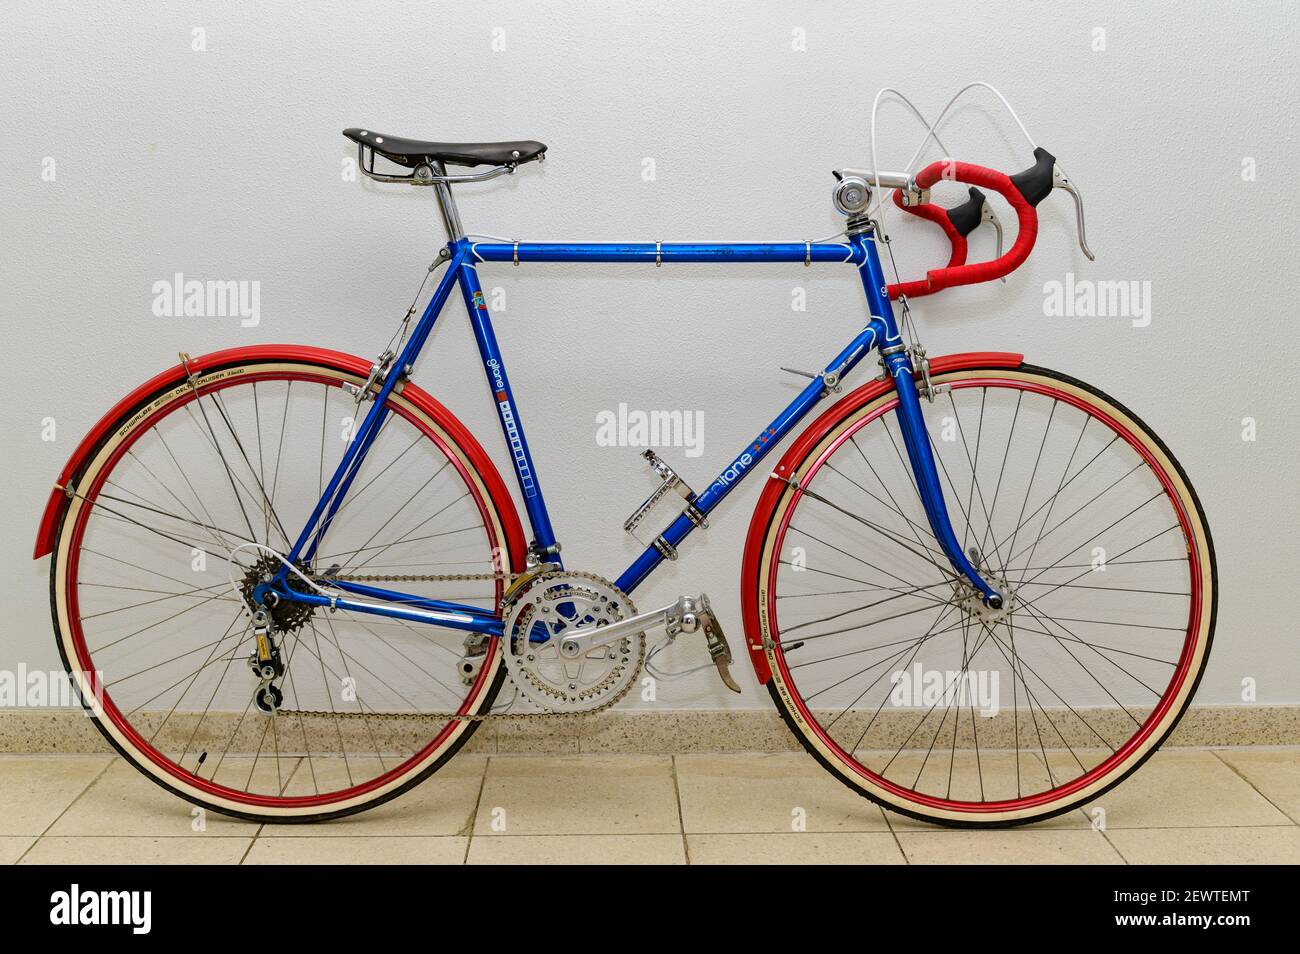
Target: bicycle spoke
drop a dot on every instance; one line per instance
(887, 534)
(852, 556)
(1062, 674)
(155, 596)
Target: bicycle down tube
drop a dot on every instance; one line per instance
(463, 256)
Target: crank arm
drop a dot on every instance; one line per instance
(679, 614)
(683, 615)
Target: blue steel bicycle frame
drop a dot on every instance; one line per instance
(463, 257)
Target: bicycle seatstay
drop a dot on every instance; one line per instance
(346, 472)
(881, 333)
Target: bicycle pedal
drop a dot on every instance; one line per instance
(716, 642)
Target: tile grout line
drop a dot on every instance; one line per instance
(1101, 831)
(1083, 812)
(890, 825)
(761, 832)
(261, 826)
(251, 842)
(681, 818)
(1106, 838)
(473, 815)
(1235, 771)
(74, 800)
(937, 831)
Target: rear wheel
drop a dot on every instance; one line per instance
(152, 563)
(894, 674)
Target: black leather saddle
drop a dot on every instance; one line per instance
(415, 152)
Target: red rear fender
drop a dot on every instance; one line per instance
(332, 359)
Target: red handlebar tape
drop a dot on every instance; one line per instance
(957, 272)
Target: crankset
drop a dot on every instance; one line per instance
(547, 669)
(575, 643)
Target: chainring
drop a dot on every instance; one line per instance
(544, 611)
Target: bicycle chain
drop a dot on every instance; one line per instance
(508, 578)
(421, 578)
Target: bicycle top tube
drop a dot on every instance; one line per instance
(847, 252)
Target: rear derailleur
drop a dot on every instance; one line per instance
(266, 664)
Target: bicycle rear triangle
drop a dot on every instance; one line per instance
(290, 584)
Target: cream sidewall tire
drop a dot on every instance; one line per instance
(812, 738)
(142, 760)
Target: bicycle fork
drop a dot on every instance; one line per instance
(898, 365)
(921, 456)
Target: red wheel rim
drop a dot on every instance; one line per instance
(1158, 713)
(139, 743)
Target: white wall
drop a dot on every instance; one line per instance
(227, 164)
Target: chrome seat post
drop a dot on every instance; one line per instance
(447, 205)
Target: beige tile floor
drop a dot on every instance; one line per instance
(1237, 805)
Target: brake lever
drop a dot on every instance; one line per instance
(988, 215)
(1061, 181)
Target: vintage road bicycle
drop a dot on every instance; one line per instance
(290, 584)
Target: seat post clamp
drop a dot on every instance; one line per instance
(659, 257)
(515, 260)
(807, 254)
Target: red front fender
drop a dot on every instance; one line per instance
(767, 500)
(333, 359)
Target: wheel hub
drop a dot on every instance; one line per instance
(971, 601)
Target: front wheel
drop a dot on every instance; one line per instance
(893, 673)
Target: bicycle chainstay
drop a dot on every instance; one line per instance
(510, 579)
